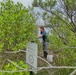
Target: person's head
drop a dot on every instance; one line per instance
(42, 28)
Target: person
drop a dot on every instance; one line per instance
(44, 41)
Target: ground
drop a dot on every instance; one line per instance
(21, 56)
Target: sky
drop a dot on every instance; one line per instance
(36, 9)
(24, 2)
(29, 3)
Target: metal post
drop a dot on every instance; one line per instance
(31, 73)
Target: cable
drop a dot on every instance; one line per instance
(41, 68)
(14, 64)
(38, 69)
(73, 72)
(25, 51)
(67, 47)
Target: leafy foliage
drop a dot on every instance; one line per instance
(17, 26)
(11, 67)
(59, 16)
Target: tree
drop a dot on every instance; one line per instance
(17, 26)
(65, 8)
(60, 16)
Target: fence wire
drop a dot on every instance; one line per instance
(39, 68)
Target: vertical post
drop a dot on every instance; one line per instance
(31, 73)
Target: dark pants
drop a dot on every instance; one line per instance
(45, 49)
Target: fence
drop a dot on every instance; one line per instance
(39, 68)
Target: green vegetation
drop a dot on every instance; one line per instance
(11, 67)
(17, 27)
(60, 16)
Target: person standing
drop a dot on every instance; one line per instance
(44, 41)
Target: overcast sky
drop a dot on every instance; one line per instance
(29, 2)
(24, 2)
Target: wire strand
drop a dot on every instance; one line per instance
(73, 72)
(14, 64)
(39, 68)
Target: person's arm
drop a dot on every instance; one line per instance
(40, 36)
